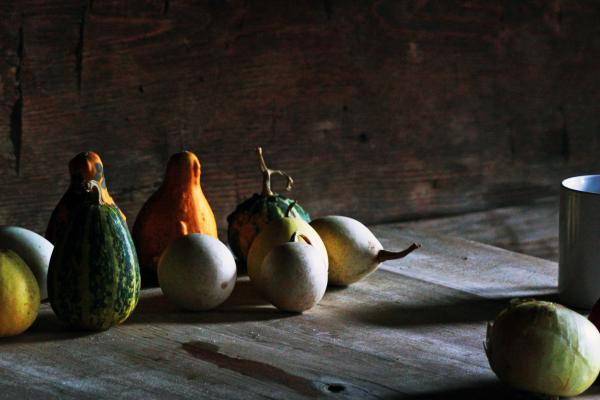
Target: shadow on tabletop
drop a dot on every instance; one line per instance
(491, 390)
(46, 328)
(244, 305)
(336, 288)
(393, 314)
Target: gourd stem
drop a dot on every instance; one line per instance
(297, 236)
(385, 255)
(89, 187)
(288, 212)
(267, 172)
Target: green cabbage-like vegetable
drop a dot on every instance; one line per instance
(543, 347)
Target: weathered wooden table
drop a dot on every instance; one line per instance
(414, 329)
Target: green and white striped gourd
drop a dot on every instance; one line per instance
(94, 275)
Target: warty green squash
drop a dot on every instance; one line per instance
(94, 275)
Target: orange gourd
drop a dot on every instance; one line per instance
(177, 208)
(83, 167)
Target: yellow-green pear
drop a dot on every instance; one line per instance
(353, 251)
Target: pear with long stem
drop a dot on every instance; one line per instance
(353, 251)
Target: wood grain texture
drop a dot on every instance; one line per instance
(414, 329)
(529, 229)
(380, 110)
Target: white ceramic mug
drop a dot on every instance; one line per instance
(579, 241)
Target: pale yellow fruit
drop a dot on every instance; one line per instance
(278, 232)
(19, 294)
(354, 252)
(34, 249)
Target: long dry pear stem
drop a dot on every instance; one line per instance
(267, 172)
(92, 185)
(385, 255)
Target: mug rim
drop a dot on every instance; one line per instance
(564, 184)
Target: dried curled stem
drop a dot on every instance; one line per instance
(385, 255)
(267, 172)
(299, 237)
(90, 186)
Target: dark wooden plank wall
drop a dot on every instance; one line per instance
(381, 110)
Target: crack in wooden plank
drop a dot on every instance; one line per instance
(16, 115)
(512, 146)
(79, 47)
(328, 7)
(564, 135)
(166, 8)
